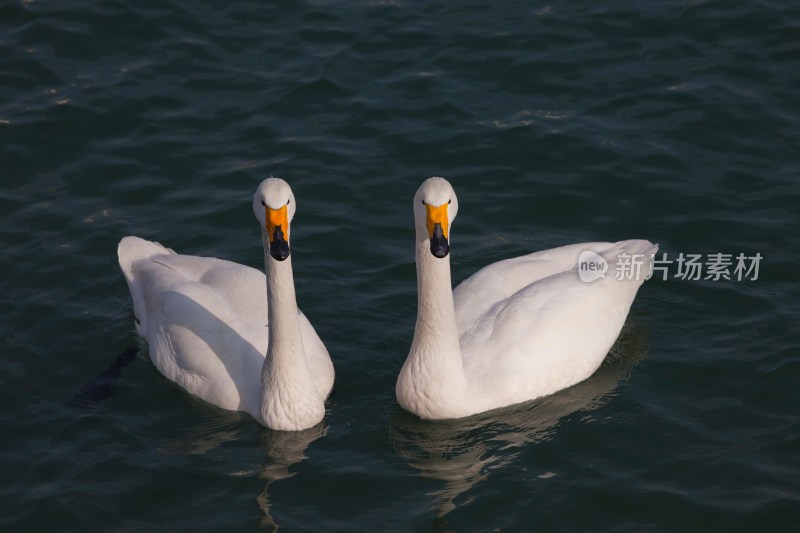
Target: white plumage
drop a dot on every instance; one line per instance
(517, 329)
(207, 322)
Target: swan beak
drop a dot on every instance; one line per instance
(438, 229)
(278, 232)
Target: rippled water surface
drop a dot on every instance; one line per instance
(556, 122)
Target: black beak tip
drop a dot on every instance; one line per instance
(279, 250)
(439, 245)
(279, 255)
(440, 250)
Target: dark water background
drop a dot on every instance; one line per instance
(556, 122)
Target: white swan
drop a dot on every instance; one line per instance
(516, 330)
(209, 323)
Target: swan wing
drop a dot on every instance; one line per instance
(319, 360)
(203, 325)
(242, 294)
(529, 326)
(494, 283)
(205, 320)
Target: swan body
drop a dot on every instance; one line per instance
(514, 331)
(227, 335)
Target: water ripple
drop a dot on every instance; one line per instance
(556, 123)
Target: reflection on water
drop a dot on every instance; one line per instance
(462, 453)
(284, 449)
(93, 393)
(202, 435)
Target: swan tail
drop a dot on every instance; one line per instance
(640, 249)
(130, 251)
(638, 246)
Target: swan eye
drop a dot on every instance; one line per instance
(423, 202)
(262, 203)
(450, 201)
(288, 201)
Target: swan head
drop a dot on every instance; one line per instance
(274, 207)
(435, 208)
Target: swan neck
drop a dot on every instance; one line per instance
(436, 316)
(289, 399)
(432, 383)
(284, 326)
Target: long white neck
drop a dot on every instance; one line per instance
(432, 383)
(289, 399)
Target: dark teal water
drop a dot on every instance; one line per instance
(556, 122)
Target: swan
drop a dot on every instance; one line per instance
(223, 332)
(515, 330)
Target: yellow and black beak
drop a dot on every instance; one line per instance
(438, 229)
(278, 232)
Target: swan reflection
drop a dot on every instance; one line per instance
(207, 432)
(278, 451)
(462, 453)
(284, 449)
